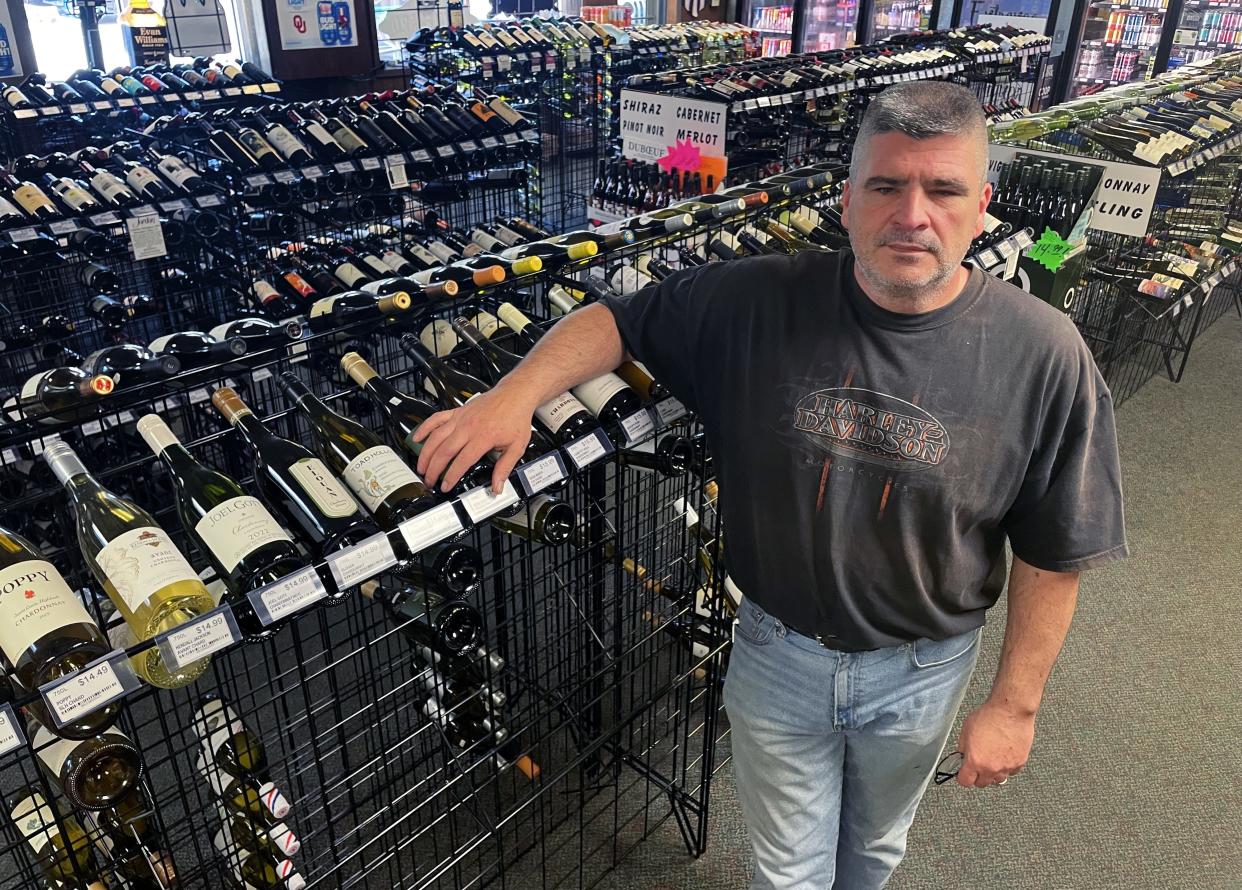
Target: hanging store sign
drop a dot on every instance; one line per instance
(1122, 203)
(674, 132)
(316, 24)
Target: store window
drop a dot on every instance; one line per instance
(56, 33)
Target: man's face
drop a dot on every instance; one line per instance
(914, 209)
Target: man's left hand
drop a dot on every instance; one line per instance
(995, 744)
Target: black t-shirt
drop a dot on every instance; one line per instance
(870, 463)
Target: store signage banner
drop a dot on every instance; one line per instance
(198, 29)
(1124, 200)
(674, 132)
(10, 65)
(316, 24)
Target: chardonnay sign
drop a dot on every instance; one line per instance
(1123, 201)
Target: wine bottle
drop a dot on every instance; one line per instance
(230, 745)
(242, 541)
(443, 625)
(92, 773)
(151, 584)
(61, 393)
(45, 631)
(241, 795)
(375, 473)
(329, 313)
(563, 416)
(671, 456)
(258, 332)
(61, 846)
(297, 484)
(543, 519)
(259, 871)
(607, 396)
(129, 364)
(196, 348)
(243, 836)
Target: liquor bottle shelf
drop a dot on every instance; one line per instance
(157, 99)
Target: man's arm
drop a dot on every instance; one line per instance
(582, 345)
(996, 739)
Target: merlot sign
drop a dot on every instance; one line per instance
(681, 132)
(1123, 201)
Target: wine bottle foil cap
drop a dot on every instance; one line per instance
(229, 404)
(357, 368)
(63, 461)
(155, 433)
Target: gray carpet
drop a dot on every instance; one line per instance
(1135, 780)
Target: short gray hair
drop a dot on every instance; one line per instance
(920, 110)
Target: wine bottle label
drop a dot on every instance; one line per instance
(439, 338)
(31, 388)
(487, 324)
(300, 284)
(34, 601)
(375, 474)
(348, 139)
(13, 96)
(139, 178)
(487, 242)
(72, 195)
(286, 143)
(442, 252)
(597, 392)
(395, 261)
(176, 170)
(257, 144)
(238, 527)
(350, 274)
(7, 208)
(378, 266)
(222, 735)
(141, 562)
(554, 412)
(322, 488)
(323, 306)
(35, 820)
(109, 186)
(52, 751)
(263, 292)
(31, 198)
(319, 134)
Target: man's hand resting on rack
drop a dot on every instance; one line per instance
(453, 441)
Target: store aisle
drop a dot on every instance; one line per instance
(1134, 777)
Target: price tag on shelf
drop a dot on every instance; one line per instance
(231, 91)
(102, 105)
(288, 595)
(179, 204)
(431, 527)
(11, 737)
(146, 238)
(480, 503)
(258, 180)
(191, 95)
(63, 226)
(421, 156)
(344, 167)
(670, 410)
(105, 219)
(147, 100)
(251, 89)
(469, 146)
(285, 176)
(396, 171)
(638, 426)
(210, 201)
(271, 88)
(536, 475)
(364, 560)
(490, 142)
(314, 172)
(200, 637)
(26, 233)
(78, 108)
(211, 94)
(371, 164)
(504, 63)
(125, 102)
(96, 685)
(512, 138)
(588, 449)
(445, 151)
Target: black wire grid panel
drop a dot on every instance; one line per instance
(610, 671)
(1135, 336)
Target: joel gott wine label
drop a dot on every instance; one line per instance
(375, 473)
(34, 601)
(314, 478)
(237, 528)
(141, 562)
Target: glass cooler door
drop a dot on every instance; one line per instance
(828, 24)
(1204, 30)
(1118, 44)
(774, 19)
(898, 16)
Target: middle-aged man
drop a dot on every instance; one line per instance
(881, 420)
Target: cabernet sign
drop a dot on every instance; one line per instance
(652, 125)
(1122, 203)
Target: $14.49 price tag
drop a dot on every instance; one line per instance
(11, 737)
(199, 638)
(96, 685)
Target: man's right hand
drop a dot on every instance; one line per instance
(453, 441)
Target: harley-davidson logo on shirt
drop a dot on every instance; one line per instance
(872, 426)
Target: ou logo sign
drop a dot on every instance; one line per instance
(1067, 302)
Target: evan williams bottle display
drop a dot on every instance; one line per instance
(152, 585)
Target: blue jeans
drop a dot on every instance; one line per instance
(833, 750)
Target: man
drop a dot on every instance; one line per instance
(881, 420)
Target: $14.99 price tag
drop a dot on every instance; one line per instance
(199, 638)
(288, 595)
(96, 685)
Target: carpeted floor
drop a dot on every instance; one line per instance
(1135, 780)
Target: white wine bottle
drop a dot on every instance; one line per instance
(91, 773)
(147, 578)
(45, 631)
(242, 796)
(62, 855)
(233, 747)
